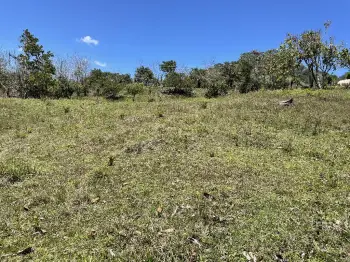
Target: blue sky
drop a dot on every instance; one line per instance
(139, 32)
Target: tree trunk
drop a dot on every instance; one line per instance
(311, 81)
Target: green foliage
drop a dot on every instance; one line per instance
(4, 75)
(248, 73)
(302, 60)
(347, 75)
(144, 75)
(319, 55)
(198, 76)
(278, 68)
(106, 84)
(178, 84)
(64, 88)
(229, 73)
(112, 90)
(36, 66)
(344, 57)
(168, 66)
(215, 81)
(135, 89)
(216, 89)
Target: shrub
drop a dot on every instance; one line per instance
(216, 90)
(135, 89)
(64, 88)
(178, 84)
(112, 91)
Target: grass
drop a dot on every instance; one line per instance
(176, 179)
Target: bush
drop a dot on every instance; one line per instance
(112, 91)
(248, 85)
(178, 84)
(64, 88)
(216, 90)
(135, 89)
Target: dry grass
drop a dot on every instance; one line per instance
(178, 179)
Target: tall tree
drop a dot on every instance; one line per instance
(198, 76)
(144, 75)
(80, 72)
(319, 55)
(36, 67)
(229, 72)
(4, 74)
(168, 66)
(248, 73)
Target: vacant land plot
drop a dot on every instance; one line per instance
(178, 179)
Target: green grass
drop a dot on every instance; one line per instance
(177, 179)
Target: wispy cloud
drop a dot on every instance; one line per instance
(89, 40)
(100, 64)
(20, 49)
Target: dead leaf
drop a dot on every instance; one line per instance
(26, 251)
(250, 256)
(159, 211)
(39, 230)
(186, 207)
(111, 253)
(95, 200)
(195, 241)
(122, 233)
(279, 258)
(93, 234)
(209, 196)
(170, 230)
(175, 211)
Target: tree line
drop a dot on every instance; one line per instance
(305, 60)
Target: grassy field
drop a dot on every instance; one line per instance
(177, 179)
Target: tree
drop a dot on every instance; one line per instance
(229, 72)
(319, 55)
(134, 89)
(248, 71)
(215, 81)
(36, 67)
(168, 67)
(332, 80)
(4, 74)
(178, 83)
(106, 83)
(198, 76)
(96, 81)
(64, 76)
(80, 72)
(278, 68)
(344, 56)
(144, 75)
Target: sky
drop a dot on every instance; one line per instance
(121, 35)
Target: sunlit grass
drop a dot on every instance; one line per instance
(177, 179)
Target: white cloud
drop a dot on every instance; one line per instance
(89, 40)
(20, 49)
(100, 64)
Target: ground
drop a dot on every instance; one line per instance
(173, 179)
